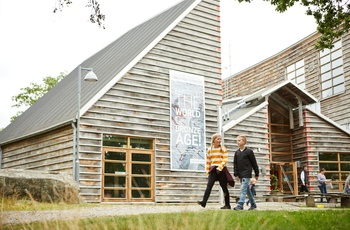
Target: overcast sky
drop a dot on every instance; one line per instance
(36, 43)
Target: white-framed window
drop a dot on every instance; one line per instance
(331, 69)
(296, 73)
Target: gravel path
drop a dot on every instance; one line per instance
(12, 217)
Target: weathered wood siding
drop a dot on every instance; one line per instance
(272, 71)
(139, 105)
(317, 135)
(255, 127)
(52, 151)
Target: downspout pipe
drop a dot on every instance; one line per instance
(75, 154)
(0, 157)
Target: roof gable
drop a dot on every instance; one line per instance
(58, 107)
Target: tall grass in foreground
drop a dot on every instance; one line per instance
(220, 219)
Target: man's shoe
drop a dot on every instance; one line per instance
(225, 207)
(238, 208)
(252, 207)
(201, 203)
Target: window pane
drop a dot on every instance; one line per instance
(345, 167)
(300, 72)
(325, 68)
(329, 166)
(114, 193)
(141, 157)
(325, 59)
(345, 157)
(337, 71)
(144, 169)
(141, 182)
(299, 64)
(328, 157)
(324, 52)
(291, 75)
(302, 85)
(337, 62)
(326, 76)
(290, 68)
(115, 168)
(139, 143)
(327, 84)
(337, 45)
(338, 80)
(339, 88)
(109, 155)
(109, 140)
(332, 176)
(300, 79)
(336, 54)
(115, 181)
(141, 193)
(327, 93)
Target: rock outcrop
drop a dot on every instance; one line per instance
(41, 186)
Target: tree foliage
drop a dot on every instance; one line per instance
(32, 93)
(332, 17)
(95, 17)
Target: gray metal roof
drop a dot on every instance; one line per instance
(58, 107)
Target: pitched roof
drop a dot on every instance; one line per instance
(236, 110)
(58, 107)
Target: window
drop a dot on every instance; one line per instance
(337, 167)
(296, 73)
(331, 69)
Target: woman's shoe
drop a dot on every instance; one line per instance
(201, 203)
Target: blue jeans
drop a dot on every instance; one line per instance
(245, 191)
(323, 189)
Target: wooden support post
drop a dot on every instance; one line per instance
(345, 202)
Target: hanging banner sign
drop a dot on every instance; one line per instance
(187, 121)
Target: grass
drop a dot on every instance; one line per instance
(207, 220)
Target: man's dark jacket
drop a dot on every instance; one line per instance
(244, 162)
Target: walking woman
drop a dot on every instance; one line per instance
(321, 183)
(217, 156)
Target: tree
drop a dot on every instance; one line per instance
(332, 17)
(95, 16)
(32, 93)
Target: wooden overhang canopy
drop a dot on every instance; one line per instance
(287, 94)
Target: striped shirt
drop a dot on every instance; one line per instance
(216, 157)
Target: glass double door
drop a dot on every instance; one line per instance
(127, 175)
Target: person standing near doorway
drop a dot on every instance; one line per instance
(244, 163)
(216, 169)
(322, 183)
(303, 180)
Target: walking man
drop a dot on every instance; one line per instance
(303, 180)
(244, 163)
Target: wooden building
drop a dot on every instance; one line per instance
(298, 132)
(120, 149)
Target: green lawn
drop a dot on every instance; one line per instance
(221, 219)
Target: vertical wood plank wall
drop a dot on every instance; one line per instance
(272, 71)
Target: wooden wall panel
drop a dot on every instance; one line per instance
(138, 105)
(272, 71)
(51, 151)
(256, 129)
